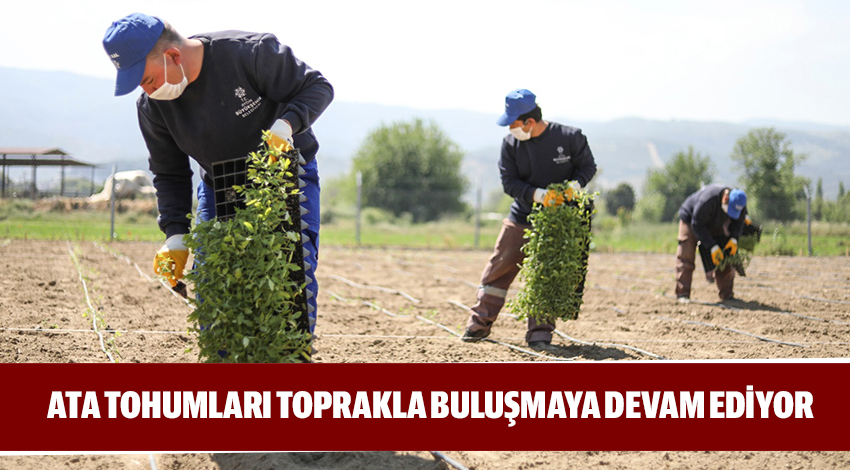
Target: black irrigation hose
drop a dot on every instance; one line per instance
(447, 460)
(575, 340)
(739, 309)
(728, 307)
(116, 254)
(91, 308)
(378, 288)
(733, 330)
(454, 333)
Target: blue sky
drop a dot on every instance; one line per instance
(600, 60)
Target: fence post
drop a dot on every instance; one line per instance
(477, 214)
(357, 215)
(112, 198)
(809, 216)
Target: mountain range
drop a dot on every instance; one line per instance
(80, 115)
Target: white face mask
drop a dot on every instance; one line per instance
(170, 91)
(519, 134)
(725, 207)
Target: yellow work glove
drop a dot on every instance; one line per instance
(553, 198)
(170, 260)
(281, 133)
(716, 255)
(732, 246)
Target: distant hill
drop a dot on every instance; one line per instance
(80, 115)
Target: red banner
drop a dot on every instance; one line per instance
(371, 407)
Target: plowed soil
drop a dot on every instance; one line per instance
(392, 305)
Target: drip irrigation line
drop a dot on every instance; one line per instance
(71, 330)
(780, 312)
(459, 281)
(728, 307)
(152, 462)
(618, 310)
(576, 340)
(627, 291)
(121, 256)
(336, 296)
(802, 296)
(615, 345)
(381, 309)
(438, 325)
(335, 335)
(366, 303)
(30, 257)
(458, 304)
(378, 288)
(118, 255)
(88, 301)
(428, 337)
(733, 330)
(760, 283)
(454, 333)
(652, 281)
(441, 456)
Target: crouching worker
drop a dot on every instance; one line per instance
(714, 212)
(535, 154)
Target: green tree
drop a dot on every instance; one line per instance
(768, 163)
(682, 176)
(840, 189)
(411, 167)
(623, 196)
(817, 210)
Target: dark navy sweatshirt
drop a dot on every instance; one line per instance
(247, 81)
(703, 211)
(559, 154)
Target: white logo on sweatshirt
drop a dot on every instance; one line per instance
(248, 105)
(561, 158)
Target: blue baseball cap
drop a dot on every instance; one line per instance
(127, 43)
(517, 103)
(737, 202)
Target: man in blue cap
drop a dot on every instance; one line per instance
(209, 97)
(535, 154)
(715, 211)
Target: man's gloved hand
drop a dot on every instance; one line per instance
(281, 135)
(548, 197)
(170, 260)
(716, 255)
(572, 190)
(539, 195)
(731, 246)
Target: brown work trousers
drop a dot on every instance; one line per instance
(685, 256)
(497, 278)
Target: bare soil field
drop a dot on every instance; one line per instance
(394, 305)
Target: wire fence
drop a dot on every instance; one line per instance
(425, 214)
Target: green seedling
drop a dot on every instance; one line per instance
(555, 264)
(242, 273)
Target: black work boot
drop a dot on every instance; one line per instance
(474, 336)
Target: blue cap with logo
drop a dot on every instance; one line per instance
(517, 103)
(127, 43)
(737, 202)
